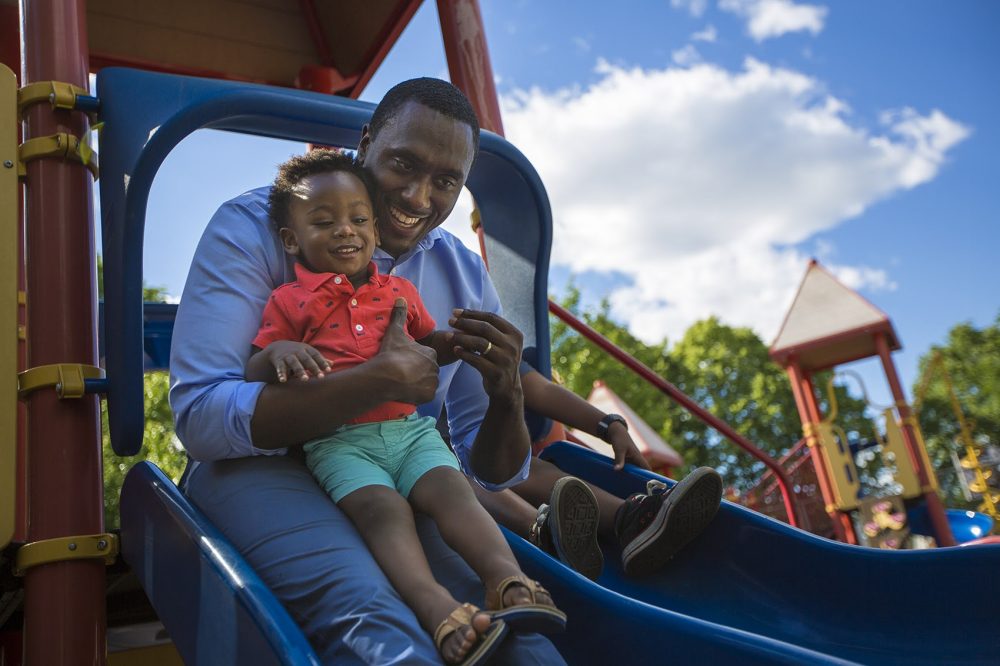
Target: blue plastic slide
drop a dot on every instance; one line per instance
(754, 590)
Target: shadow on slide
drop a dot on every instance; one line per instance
(754, 590)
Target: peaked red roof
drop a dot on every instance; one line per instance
(656, 451)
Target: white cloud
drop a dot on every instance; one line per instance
(699, 182)
(695, 7)
(773, 18)
(709, 34)
(581, 44)
(688, 55)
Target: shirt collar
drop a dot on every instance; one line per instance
(313, 281)
(424, 244)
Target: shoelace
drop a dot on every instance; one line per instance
(535, 531)
(654, 487)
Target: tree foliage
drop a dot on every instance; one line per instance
(725, 369)
(971, 359)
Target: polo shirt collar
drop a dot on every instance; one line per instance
(313, 281)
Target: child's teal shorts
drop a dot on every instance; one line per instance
(388, 453)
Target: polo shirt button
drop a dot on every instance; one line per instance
(354, 301)
(338, 280)
(359, 327)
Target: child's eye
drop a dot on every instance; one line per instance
(360, 220)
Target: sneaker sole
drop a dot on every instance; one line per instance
(685, 513)
(573, 516)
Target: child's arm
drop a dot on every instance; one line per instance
(558, 403)
(441, 342)
(282, 358)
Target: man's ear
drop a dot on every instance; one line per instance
(364, 144)
(289, 241)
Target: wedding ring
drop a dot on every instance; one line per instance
(489, 346)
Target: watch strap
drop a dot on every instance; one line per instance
(604, 425)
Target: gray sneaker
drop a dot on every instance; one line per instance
(566, 527)
(652, 528)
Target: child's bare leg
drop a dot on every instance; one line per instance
(444, 494)
(543, 475)
(507, 508)
(385, 521)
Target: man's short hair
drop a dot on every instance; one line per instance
(435, 94)
(300, 167)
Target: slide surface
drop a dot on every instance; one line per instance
(754, 590)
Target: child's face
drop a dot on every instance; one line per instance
(331, 225)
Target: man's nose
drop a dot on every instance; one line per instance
(418, 194)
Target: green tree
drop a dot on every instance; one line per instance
(725, 369)
(971, 359)
(159, 444)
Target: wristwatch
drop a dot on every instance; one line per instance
(605, 424)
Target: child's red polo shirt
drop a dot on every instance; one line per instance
(346, 326)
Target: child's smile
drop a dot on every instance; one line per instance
(332, 226)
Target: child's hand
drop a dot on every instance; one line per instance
(296, 359)
(625, 449)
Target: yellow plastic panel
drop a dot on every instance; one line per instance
(8, 300)
(906, 476)
(836, 455)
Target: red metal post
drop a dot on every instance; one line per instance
(805, 401)
(687, 403)
(469, 59)
(64, 616)
(935, 509)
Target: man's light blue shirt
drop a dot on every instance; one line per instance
(238, 263)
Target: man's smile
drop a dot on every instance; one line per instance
(402, 219)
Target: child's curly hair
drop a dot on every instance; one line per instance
(300, 167)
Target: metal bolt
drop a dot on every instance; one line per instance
(52, 98)
(72, 546)
(102, 544)
(8, 164)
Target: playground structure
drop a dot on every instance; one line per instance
(741, 592)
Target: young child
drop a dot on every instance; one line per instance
(384, 462)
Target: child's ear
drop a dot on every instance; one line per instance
(289, 241)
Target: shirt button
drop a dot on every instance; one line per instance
(359, 327)
(338, 280)
(354, 301)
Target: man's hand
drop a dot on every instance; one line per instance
(625, 449)
(412, 366)
(287, 358)
(492, 345)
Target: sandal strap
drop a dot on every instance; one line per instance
(495, 600)
(460, 617)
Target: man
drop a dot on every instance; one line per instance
(420, 147)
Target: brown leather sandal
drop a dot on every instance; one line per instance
(484, 647)
(537, 617)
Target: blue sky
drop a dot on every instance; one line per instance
(712, 147)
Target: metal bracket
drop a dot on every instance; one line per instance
(61, 145)
(57, 93)
(88, 546)
(67, 378)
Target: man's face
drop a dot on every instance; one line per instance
(331, 228)
(420, 160)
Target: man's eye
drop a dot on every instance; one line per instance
(446, 184)
(401, 164)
